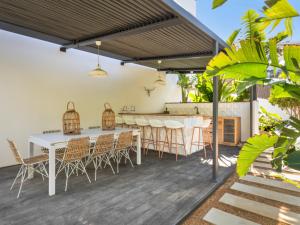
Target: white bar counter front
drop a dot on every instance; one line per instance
(187, 120)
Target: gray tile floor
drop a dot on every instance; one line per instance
(157, 192)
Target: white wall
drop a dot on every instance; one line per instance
(273, 109)
(37, 80)
(188, 5)
(240, 109)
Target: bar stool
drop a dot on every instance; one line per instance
(130, 122)
(157, 126)
(144, 125)
(174, 126)
(204, 135)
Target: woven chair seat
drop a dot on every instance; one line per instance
(36, 159)
(59, 151)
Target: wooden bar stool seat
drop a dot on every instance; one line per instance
(145, 128)
(204, 135)
(174, 127)
(156, 139)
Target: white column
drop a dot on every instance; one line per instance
(30, 154)
(138, 149)
(52, 171)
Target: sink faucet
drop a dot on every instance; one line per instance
(197, 109)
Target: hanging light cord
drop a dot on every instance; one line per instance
(98, 55)
(158, 71)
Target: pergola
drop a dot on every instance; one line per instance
(133, 31)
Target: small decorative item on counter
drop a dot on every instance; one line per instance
(108, 118)
(166, 111)
(71, 120)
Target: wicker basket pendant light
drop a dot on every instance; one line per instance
(160, 80)
(71, 120)
(98, 72)
(108, 118)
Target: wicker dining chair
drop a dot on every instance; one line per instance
(103, 151)
(35, 162)
(72, 160)
(59, 151)
(123, 146)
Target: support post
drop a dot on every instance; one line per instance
(215, 122)
(251, 110)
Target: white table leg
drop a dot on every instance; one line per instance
(30, 154)
(138, 149)
(51, 171)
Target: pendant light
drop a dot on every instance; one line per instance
(98, 72)
(160, 79)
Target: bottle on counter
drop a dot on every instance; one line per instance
(166, 111)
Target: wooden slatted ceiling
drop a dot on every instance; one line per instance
(162, 42)
(83, 19)
(79, 19)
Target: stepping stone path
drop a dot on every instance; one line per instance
(261, 209)
(219, 217)
(268, 194)
(272, 183)
(262, 165)
(279, 214)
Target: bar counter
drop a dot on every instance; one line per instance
(188, 120)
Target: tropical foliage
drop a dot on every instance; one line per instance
(199, 88)
(289, 105)
(227, 89)
(217, 3)
(185, 84)
(285, 142)
(268, 121)
(249, 61)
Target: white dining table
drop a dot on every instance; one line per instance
(54, 141)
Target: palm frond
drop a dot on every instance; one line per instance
(232, 37)
(217, 3)
(240, 63)
(277, 10)
(291, 54)
(253, 30)
(250, 60)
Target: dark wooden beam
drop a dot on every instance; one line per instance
(31, 33)
(198, 55)
(41, 36)
(125, 32)
(187, 70)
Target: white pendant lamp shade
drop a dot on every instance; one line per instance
(160, 81)
(98, 72)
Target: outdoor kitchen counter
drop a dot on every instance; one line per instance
(159, 114)
(187, 119)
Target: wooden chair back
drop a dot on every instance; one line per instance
(104, 144)
(77, 148)
(124, 140)
(15, 152)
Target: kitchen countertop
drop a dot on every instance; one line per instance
(173, 115)
(158, 114)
